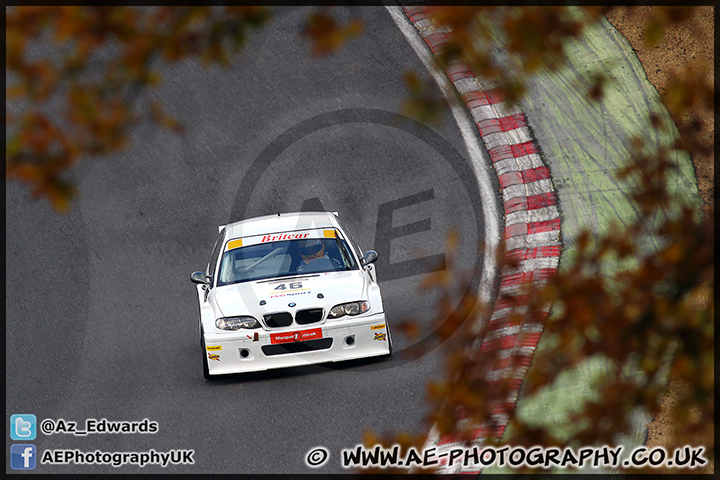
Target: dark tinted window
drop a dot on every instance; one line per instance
(282, 258)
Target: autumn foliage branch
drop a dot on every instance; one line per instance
(74, 75)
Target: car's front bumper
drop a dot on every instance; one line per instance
(239, 351)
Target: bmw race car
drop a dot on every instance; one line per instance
(286, 290)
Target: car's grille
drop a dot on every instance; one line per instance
(275, 320)
(297, 347)
(311, 315)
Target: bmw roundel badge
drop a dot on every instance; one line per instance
(291, 304)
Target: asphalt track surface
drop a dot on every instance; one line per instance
(102, 317)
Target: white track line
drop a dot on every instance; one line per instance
(479, 159)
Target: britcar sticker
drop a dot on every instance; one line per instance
(214, 347)
(214, 356)
(377, 327)
(380, 336)
(255, 239)
(284, 236)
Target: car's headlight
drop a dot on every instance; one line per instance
(352, 308)
(236, 323)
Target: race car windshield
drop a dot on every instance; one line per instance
(285, 258)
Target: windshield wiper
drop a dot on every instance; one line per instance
(288, 276)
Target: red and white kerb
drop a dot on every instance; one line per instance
(532, 219)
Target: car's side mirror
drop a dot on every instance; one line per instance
(369, 257)
(200, 277)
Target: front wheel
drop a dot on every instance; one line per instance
(389, 339)
(206, 370)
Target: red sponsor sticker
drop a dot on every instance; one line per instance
(299, 336)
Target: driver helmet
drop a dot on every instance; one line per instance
(309, 248)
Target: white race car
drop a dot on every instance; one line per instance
(286, 290)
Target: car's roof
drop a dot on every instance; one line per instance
(281, 222)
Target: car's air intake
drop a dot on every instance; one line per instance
(311, 315)
(275, 320)
(297, 347)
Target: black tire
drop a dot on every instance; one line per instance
(206, 370)
(389, 339)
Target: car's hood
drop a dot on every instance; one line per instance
(245, 298)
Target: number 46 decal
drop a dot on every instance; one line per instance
(291, 286)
